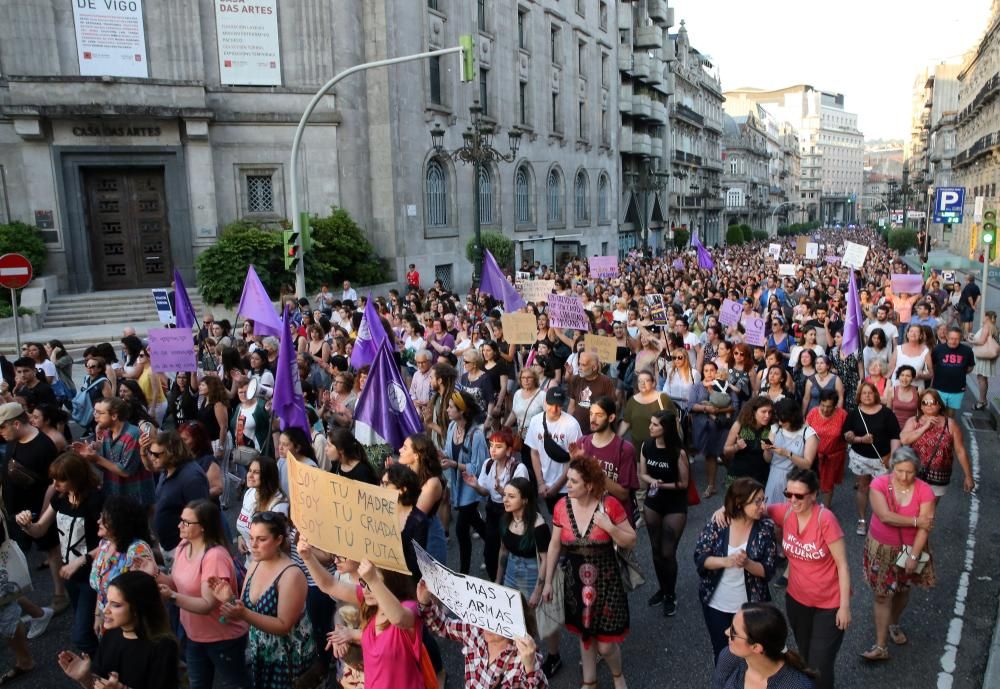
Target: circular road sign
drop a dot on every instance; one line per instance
(15, 271)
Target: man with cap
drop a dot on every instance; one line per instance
(549, 436)
(25, 472)
(587, 387)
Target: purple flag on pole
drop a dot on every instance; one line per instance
(288, 403)
(494, 283)
(370, 335)
(185, 317)
(256, 306)
(705, 261)
(385, 405)
(852, 319)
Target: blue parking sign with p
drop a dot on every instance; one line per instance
(949, 205)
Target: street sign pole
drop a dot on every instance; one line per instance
(15, 273)
(17, 326)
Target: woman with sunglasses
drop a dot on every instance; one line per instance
(735, 561)
(681, 379)
(756, 654)
(938, 442)
(280, 645)
(902, 518)
(818, 599)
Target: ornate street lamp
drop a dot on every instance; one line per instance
(477, 149)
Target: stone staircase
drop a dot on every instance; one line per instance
(119, 306)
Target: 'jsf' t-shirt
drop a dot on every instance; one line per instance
(812, 577)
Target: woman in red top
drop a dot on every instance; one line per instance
(818, 601)
(587, 523)
(827, 420)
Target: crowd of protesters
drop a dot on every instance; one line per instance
(556, 459)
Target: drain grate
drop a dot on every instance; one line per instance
(980, 423)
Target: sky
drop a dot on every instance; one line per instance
(869, 50)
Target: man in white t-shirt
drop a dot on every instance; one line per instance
(563, 429)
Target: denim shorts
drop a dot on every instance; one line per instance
(10, 617)
(521, 574)
(952, 400)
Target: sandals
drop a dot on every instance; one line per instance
(876, 653)
(13, 673)
(897, 635)
(709, 492)
(980, 406)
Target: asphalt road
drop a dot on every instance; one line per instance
(950, 627)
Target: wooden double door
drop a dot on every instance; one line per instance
(126, 210)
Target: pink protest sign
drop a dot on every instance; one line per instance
(754, 326)
(729, 313)
(567, 312)
(905, 283)
(603, 266)
(171, 350)
(833, 259)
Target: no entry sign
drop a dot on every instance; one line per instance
(15, 271)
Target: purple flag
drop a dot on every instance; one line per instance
(256, 306)
(385, 405)
(678, 264)
(704, 258)
(370, 335)
(288, 404)
(852, 319)
(494, 283)
(185, 317)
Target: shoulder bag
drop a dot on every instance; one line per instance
(555, 452)
(905, 550)
(551, 614)
(989, 350)
(628, 563)
(15, 577)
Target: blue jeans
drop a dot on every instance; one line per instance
(227, 658)
(83, 599)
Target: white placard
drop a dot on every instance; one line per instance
(786, 269)
(854, 255)
(246, 32)
(774, 251)
(812, 251)
(110, 38)
(478, 602)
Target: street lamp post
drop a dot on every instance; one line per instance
(778, 208)
(642, 181)
(477, 149)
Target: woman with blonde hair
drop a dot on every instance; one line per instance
(985, 366)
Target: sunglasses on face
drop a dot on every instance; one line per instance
(789, 495)
(733, 636)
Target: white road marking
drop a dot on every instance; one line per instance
(946, 677)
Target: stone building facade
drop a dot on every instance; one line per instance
(131, 163)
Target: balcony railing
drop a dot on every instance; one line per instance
(981, 147)
(682, 111)
(987, 91)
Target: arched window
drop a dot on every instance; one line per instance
(581, 197)
(485, 197)
(603, 195)
(554, 191)
(522, 196)
(436, 194)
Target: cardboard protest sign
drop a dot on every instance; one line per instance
(730, 312)
(800, 245)
(786, 269)
(537, 290)
(161, 300)
(478, 602)
(833, 259)
(567, 312)
(603, 266)
(812, 251)
(519, 328)
(854, 255)
(774, 251)
(346, 517)
(754, 326)
(605, 347)
(906, 283)
(171, 350)
(657, 309)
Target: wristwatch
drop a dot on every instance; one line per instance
(913, 557)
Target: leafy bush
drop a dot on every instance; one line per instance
(223, 266)
(340, 252)
(903, 240)
(734, 235)
(498, 244)
(21, 238)
(760, 236)
(681, 238)
(747, 234)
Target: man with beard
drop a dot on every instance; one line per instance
(616, 455)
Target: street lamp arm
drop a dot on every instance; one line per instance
(300, 271)
(778, 208)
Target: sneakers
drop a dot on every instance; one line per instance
(656, 599)
(59, 603)
(860, 529)
(38, 625)
(669, 606)
(551, 665)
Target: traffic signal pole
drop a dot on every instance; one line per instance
(989, 251)
(300, 274)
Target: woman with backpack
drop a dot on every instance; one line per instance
(215, 644)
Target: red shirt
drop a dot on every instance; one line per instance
(561, 519)
(413, 278)
(812, 575)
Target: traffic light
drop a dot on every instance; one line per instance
(990, 232)
(304, 219)
(292, 249)
(468, 57)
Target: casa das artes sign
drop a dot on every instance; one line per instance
(247, 37)
(112, 130)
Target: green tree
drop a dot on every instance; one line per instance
(222, 267)
(734, 235)
(760, 236)
(681, 238)
(341, 252)
(902, 240)
(24, 239)
(747, 233)
(498, 244)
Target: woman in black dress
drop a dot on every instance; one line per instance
(748, 440)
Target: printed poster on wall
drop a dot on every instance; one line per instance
(247, 35)
(110, 38)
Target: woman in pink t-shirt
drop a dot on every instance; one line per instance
(818, 600)
(902, 515)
